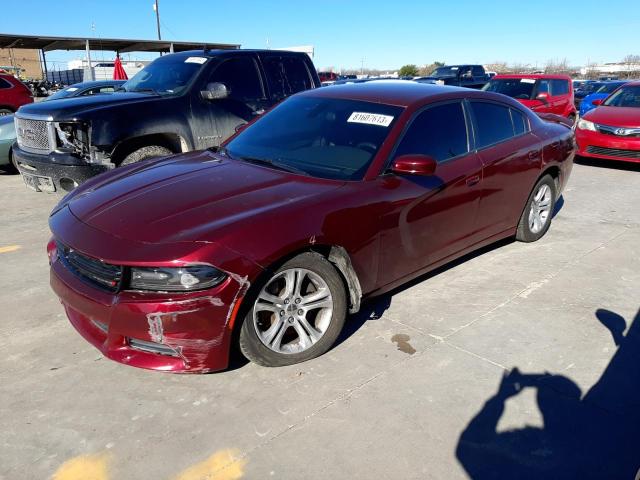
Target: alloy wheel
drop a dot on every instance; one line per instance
(540, 209)
(293, 311)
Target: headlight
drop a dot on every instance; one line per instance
(179, 279)
(72, 136)
(586, 125)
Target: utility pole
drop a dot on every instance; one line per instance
(157, 10)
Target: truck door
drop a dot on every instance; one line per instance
(286, 75)
(216, 120)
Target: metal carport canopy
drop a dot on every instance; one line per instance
(47, 44)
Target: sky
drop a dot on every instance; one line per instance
(352, 33)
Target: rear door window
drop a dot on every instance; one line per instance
(439, 131)
(241, 77)
(493, 123)
(4, 83)
(520, 124)
(286, 75)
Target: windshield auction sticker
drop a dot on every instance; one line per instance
(527, 80)
(199, 60)
(370, 119)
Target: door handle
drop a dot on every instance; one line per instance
(533, 154)
(471, 181)
(258, 112)
(555, 144)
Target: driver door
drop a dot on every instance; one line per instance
(431, 217)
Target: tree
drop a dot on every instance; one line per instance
(408, 71)
(427, 69)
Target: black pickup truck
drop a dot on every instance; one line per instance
(180, 102)
(470, 76)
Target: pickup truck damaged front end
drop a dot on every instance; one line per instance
(60, 151)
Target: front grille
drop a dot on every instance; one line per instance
(613, 152)
(627, 132)
(99, 274)
(33, 134)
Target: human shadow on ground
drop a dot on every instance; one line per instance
(584, 436)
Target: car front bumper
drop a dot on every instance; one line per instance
(65, 171)
(608, 147)
(172, 332)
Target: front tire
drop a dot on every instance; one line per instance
(296, 315)
(536, 217)
(143, 153)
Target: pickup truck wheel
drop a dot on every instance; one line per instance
(297, 315)
(145, 152)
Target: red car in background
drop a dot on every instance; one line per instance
(541, 93)
(334, 196)
(13, 94)
(611, 131)
(328, 76)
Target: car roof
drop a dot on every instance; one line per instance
(534, 75)
(402, 93)
(232, 52)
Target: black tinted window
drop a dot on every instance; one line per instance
(287, 75)
(519, 122)
(439, 132)
(477, 71)
(240, 75)
(4, 83)
(493, 122)
(559, 87)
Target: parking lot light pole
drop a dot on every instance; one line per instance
(157, 10)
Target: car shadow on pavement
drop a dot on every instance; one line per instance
(594, 435)
(373, 308)
(610, 164)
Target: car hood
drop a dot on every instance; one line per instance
(191, 197)
(67, 108)
(615, 116)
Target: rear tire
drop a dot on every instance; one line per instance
(271, 331)
(143, 153)
(538, 212)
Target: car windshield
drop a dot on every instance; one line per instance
(520, 88)
(322, 137)
(608, 87)
(628, 96)
(166, 75)
(64, 93)
(445, 72)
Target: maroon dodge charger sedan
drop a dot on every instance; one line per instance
(267, 243)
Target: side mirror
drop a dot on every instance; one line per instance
(543, 97)
(598, 102)
(414, 165)
(215, 91)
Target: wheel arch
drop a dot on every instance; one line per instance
(172, 141)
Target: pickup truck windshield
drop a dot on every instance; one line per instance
(322, 137)
(520, 88)
(166, 76)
